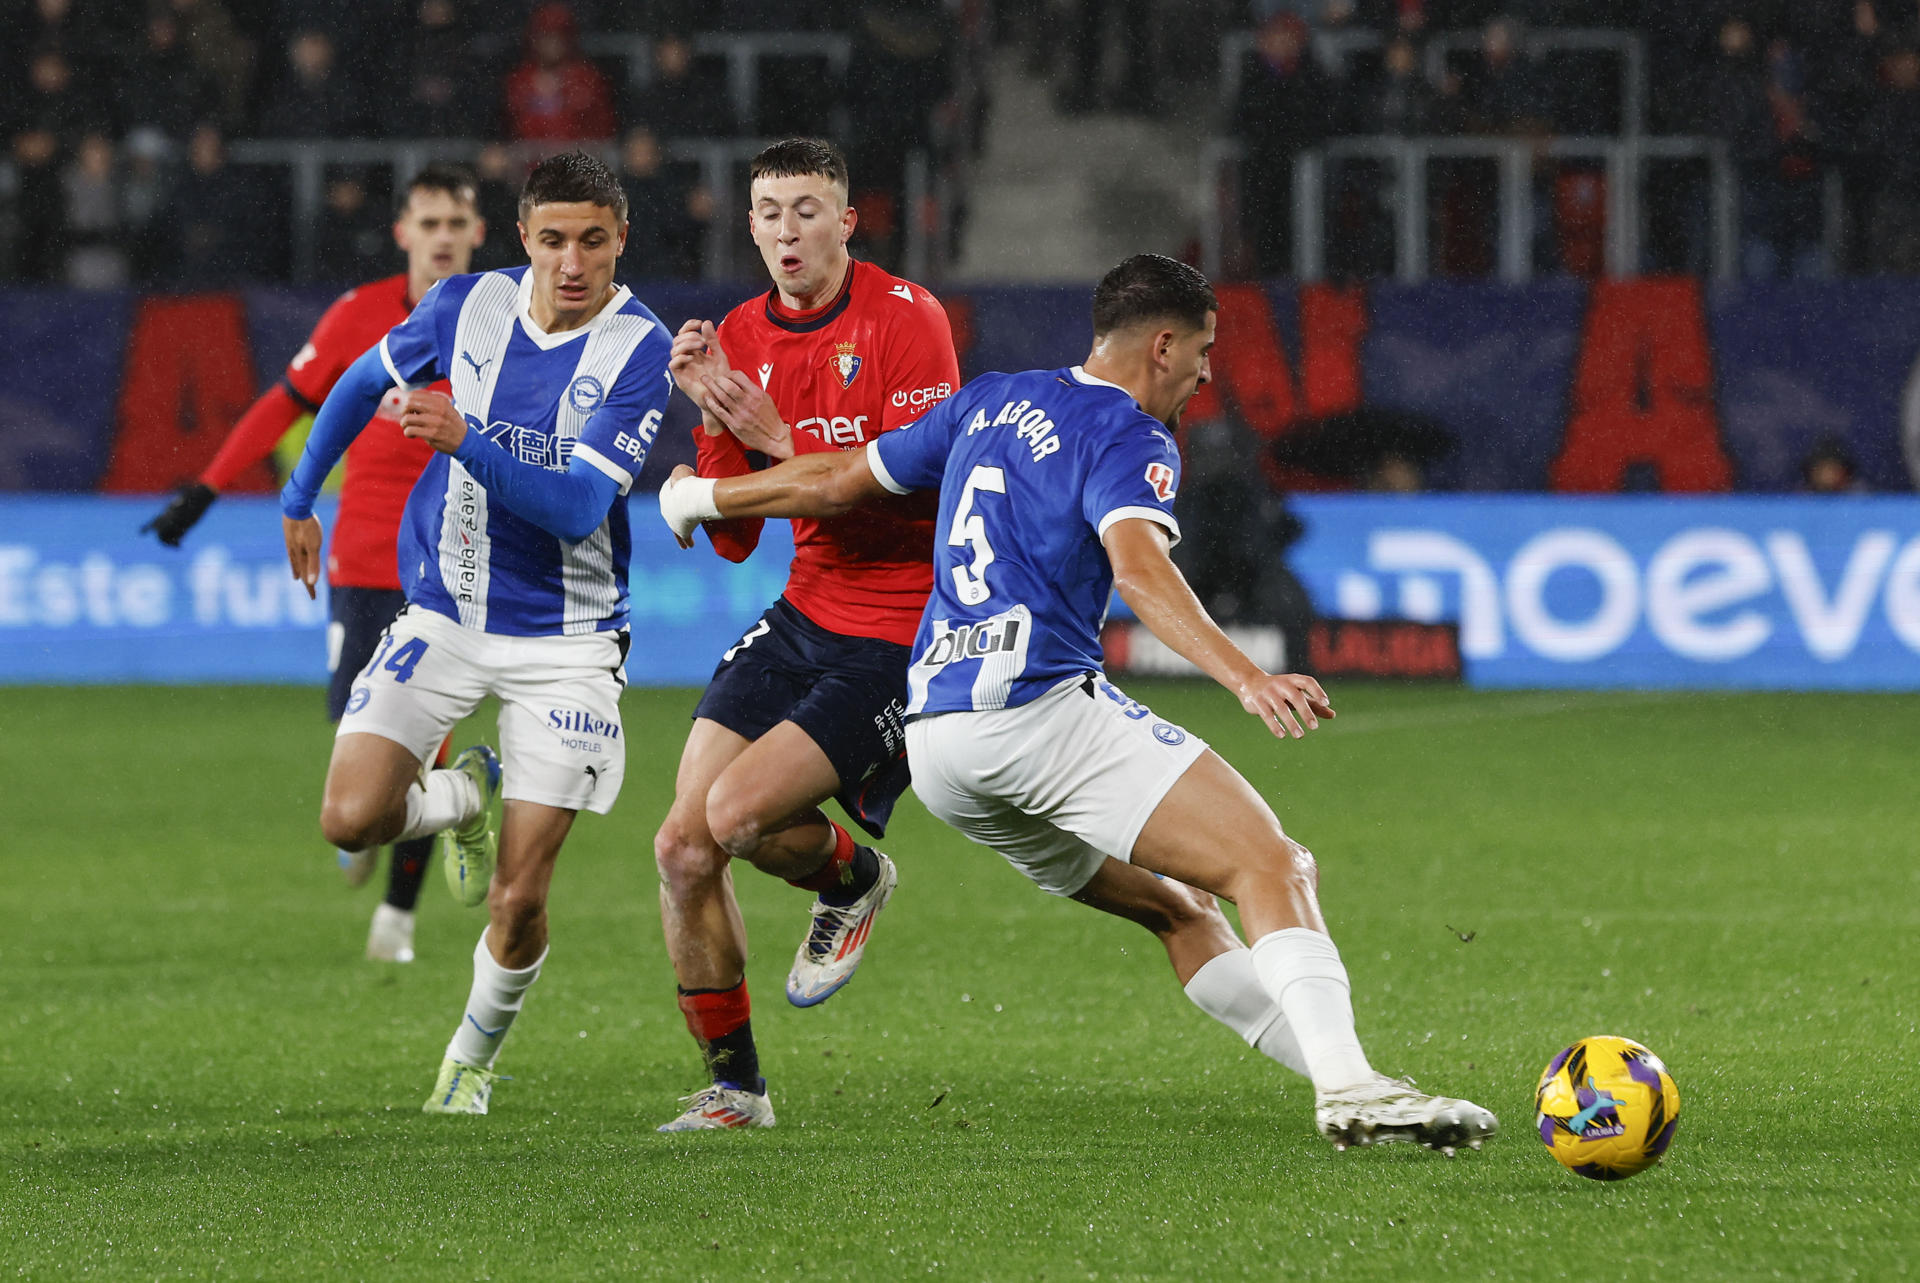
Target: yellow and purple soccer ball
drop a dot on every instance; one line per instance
(1607, 1108)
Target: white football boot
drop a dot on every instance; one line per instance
(1386, 1109)
(832, 949)
(390, 939)
(720, 1107)
(357, 866)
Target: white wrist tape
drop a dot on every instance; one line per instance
(685, 503)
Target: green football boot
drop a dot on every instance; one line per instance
(467, 853)
(462, 1089)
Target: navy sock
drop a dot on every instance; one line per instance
(406, 870)
(862, 872)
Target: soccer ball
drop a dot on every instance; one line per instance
(1607, 1108)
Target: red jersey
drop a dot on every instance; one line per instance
(382, 463)
(877, 357)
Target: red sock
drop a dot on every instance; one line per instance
(715, 1013)
(830, 875)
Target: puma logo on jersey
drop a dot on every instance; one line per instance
(766, 372)
(479, 367)
(902, 291)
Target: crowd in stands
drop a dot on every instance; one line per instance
(122, 116)
(1797, 90)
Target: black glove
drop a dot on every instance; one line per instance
(189, 503)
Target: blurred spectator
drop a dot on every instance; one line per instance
(1403, 102)
(219, 237)
(500, 177)
(896, 80)
(1504, 90)
(1893, 134)
(428, 89)
(160, 86)
(1845, 89)
(1785, 218)
(354, 239)
(216, 46)
(61, 26)
(312, 100)
(1285, 105)
(667, 215)
(96, 259)
(556, 94)
(146, 195)
(1086, 49)
(681, 101)
(48, 122)
(1829, 468)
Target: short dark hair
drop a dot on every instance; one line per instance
(573, 177)
(799, 158)
(455, 180)
(1151, 287)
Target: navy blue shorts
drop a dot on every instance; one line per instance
(360, 616)
(847, 693)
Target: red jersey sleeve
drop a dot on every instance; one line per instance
(335, 343)
(922, 370)
(311, 375)
(724, 456)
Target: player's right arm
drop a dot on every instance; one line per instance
(409, 356)
(816, 485)
(342, 416)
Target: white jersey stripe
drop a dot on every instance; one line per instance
(480, 342)
(586, 568)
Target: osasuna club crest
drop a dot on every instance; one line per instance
(845, 363)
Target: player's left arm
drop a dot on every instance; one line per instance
(1128, 499)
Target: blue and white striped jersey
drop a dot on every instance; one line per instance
(596, 392)
(1032, 469)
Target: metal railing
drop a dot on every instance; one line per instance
(1408, 159)
(1332, 49)
(721, 161)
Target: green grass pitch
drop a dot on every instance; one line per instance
(199, 1077)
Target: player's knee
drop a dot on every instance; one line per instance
(1292, 863)
(734, 821)
(683, 855)
(354, 823)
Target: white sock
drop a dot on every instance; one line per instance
(1228, 989)
(1301, 970)
(491, 1006)
(450, 798)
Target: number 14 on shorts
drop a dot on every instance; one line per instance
(402, 662)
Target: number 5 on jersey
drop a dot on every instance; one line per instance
(970, 531)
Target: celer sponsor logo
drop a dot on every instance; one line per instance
(838, 430)
(921, 398)
(1703, 593)
(581, 722)
(972, 641)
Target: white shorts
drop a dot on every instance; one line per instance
(561, 742)
(1056, 786)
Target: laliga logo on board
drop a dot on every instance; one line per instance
(844, 363)
(1698, 593)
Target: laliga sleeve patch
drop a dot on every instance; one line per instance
(1160, 477)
